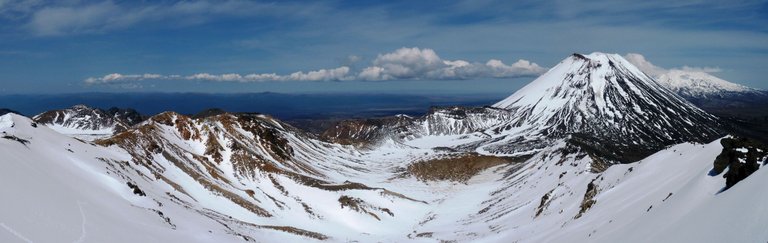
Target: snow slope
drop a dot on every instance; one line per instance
(57, 190)
(94, 204)
(667, 197)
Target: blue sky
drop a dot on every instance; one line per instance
(482, 46)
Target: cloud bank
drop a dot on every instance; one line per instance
(336, 74)
(402, 64)
(655, 71)
(415, 63)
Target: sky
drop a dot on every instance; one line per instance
(480, 46)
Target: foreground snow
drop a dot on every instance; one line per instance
(61, 189)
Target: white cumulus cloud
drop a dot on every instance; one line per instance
(655, 71)
(402, 64)
(425, 64)
(336, 74)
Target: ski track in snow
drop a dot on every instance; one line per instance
(15, 233)
(82, 227)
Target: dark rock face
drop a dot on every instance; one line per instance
(208, 112)
(362, 132)
(589, 200)
(17, 139)
(743, 114)
(741, 157)
(126, 116)
(136, 190)
(721, 102)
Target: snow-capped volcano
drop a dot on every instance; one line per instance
(609, 100)
(701, 85)
(692, 83)
(599, 91)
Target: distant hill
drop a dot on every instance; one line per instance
(4, 111)
(283, 106)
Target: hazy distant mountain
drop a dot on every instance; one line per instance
(701, 85)
(713, 94)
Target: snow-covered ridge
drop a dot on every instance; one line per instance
(88, 123)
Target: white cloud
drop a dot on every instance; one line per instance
(336, 74)
(402, 64)
(406, 63)
(702, 69)
(352, 59)
(425, 64)
(519, 68)
(655, 71)
(372, 73)
(116, 77)
(644, 65)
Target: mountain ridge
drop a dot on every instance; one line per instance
(88, 122)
